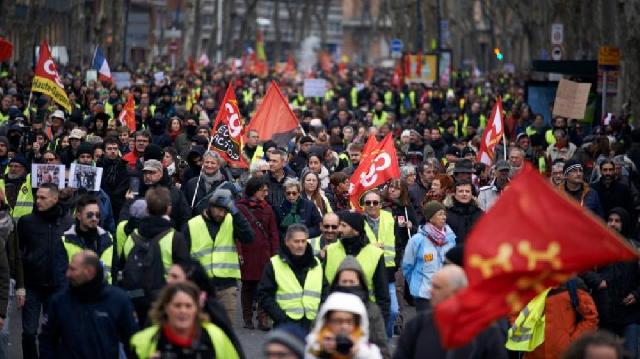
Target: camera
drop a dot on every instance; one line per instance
(343, 344)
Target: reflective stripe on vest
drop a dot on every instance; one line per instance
(542, 165)
(295, 301)
(388, 98)
(220, 257)
(121, 237)
(166, 249)
(106, 257)
(145, 342)
(315, 245)
(4, 118)
(386, 236)
(24, 202)
(354, 97)
(549, 137)
(379, 121)
(465, 123)
(367, 258)
(527, 332)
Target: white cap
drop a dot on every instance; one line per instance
(58, 114)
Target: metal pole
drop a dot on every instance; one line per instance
(439, 29)
(604, 93)
(420, 29)
(219, 33)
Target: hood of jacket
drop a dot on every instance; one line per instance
(342, 302)
(452, 204)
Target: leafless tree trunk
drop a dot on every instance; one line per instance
(277, 46)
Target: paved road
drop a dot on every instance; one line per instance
(252, 340)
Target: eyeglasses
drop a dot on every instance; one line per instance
(90, 215)
(371, 203)
(295, 193)
(330, 226)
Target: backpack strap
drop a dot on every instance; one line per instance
(572, 287)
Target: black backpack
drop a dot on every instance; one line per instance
(143, 273)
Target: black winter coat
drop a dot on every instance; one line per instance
(115, 182)
(616, 195)
(461, 217)
(39, 238)
(308, 212)
(189, 190)
(276, 191)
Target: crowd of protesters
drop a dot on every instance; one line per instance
(151, 263)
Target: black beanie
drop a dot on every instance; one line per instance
(353, 219)
(253, 185)
(85, 147)
(153, 152)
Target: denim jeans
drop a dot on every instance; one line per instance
(4, 333)
(394, 309)
(631, 340)
(35, 304)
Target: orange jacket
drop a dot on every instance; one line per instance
(561, 328)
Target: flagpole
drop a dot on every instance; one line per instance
(29, 106)
(504, 146)
(94, 56)
(406, 220)
(193, 201)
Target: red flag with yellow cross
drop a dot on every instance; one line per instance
(531, 239)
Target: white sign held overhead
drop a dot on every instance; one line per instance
(557, 34)
(314, 87)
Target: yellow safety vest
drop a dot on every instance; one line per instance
(106, 257)
(386, 236)
(24, 202)
(295, 301)
(220, 257)
(388, 98)
(328, 96)
(4, 118)
(315, 245)
(121, 237)
(108, 109)
(354, 97)
(247, 97)
(258, 154)
(345, 157)
(367, 258)
(527, 332)
(166, 249)
(549, 137)
(530, 131)
(379, 121)
(144, 343)
(465, 123)
(542, 165)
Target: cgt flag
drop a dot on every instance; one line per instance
(491, 135)
(274, 119)
(531, 239)
(127, 116)
(47, 80)
(227, 131)
(377, 167)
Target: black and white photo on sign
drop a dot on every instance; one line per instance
(46, 173)
(83, 176)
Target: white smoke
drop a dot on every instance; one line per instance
(308, 53)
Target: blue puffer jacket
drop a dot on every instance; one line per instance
(422, 259)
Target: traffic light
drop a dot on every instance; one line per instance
(498, 53)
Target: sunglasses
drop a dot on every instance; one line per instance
(371, 203)
(90, 215)
(291, 193)
(330, 226)
(49, 159)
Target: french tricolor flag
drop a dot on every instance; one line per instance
(100, 64)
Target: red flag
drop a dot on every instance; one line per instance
(274, 120)
(419, 65)
(531, 239)
(492, 135)
(227, 131)
(6, 49)
(325, 62)
(368, 73)
(396, 79)
(47, 80)
(407, 66)
(191, 64)
(369, 146)
(377, 168)
(127, 116)
(290, 68)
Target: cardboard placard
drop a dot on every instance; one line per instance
(46, 173)
(121, 79)
(314, 87)
(571, 99)
(83, 176)
(92, 75)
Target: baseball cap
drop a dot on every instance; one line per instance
(152, 165)
(76, 133)
(58, 114)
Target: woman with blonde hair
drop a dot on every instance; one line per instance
(180, 328)
(310, 183)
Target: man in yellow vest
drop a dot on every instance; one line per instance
(329, 229)
(252, 150)
(379, 115)
(353, 241)
(292, 283)
(212, 238)
(380, 229)
(17, 187)
(87, 234)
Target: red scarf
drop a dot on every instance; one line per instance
(174, 134)
(177, 339)
(437, 236)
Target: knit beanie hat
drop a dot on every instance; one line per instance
(353, 219)
(138, 209)
(455, 255)
(291, 336)
(85, 148)
(431, 208)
